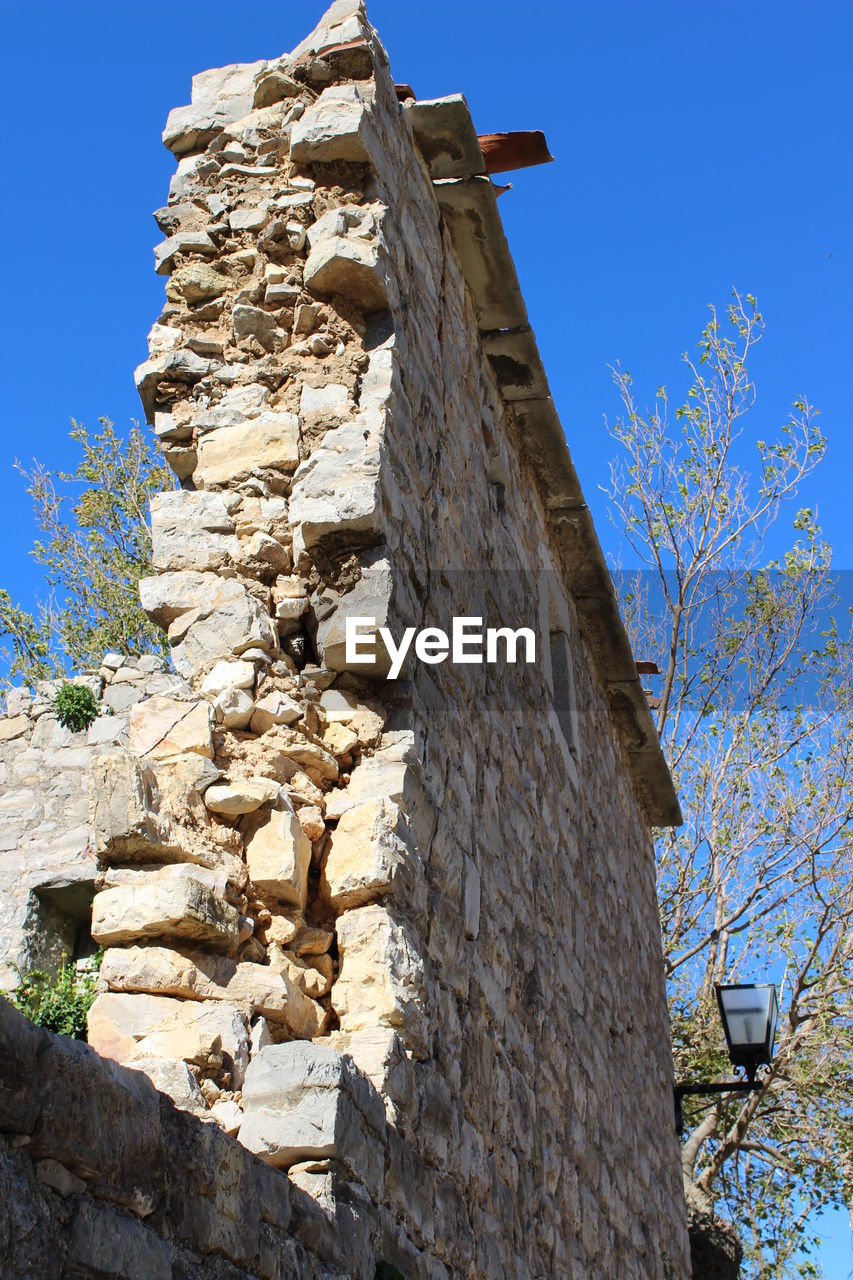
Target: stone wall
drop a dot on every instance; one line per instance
(399, 937)
(47, 858)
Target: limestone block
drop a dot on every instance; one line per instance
(169, 595)
(164, 908)
(329, 396)
(263, 557)
(193, 127)
(315, 758)
(313, 974)
(350, 267)
(234, 708)
(228, 675)
(278, 854)
(182, 242)
(125, 808)
(336, 490)
(336, 127)
(340, 740)
(236, 404)
(256, 989)
(173, 366)
(274, 708)
(367, 856)
(239, 622)
(380, 1054)
(381, 980)
(306, 1101)
(196, 282)
(234, 798)
(129, 1027)
(253, 322)
(237, 80)
(228, 1116)
(191, 531)
(173, 1077)
(268, 441)
(12, 727)
(162, 727)
(370, 597)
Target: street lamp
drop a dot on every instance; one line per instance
(749, 1013)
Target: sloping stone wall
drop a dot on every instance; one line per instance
(399, 937)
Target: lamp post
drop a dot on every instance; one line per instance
(749, 1013)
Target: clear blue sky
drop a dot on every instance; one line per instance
(698, 147)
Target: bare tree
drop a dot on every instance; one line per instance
(754, 712)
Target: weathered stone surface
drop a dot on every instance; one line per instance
(162, 727)
(186, 242)
(305, 1101)
(164, 908)
(336, 490)
(337, 127)
(381, 982)
(255, 989)
(129, 1027)
(125, 811)
(234, 707)
(173, 1077)
(273, 709)
(278, 854)
(367, 855)
(370, 597)
(349, 267)
(227, 454)
(228, 675)
(191, 531)
(232, 624)
(235, 798)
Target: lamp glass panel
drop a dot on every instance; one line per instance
(747, 1012)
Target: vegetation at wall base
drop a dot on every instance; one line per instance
(57, 1004)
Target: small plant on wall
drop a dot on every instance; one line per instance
(75, 706)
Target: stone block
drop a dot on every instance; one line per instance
(163, 727)
(336, 490)
(350, 268)
(228, 675)
(127, 1028)
(306, 1101)
(336, 127)
(370, 597)
(237, 623)
(232, 799)
(368, 856)
(164, 908)
(278, 855)
(234, 708)
(268, 442)
(125, 809)
(381, 980)
(254, 989)
(191, 531)
(273, 709)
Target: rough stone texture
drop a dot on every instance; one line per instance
(445, 887)
(102, 1175)
(48, 865)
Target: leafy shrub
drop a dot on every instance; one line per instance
(57, 1004)
(75, 706)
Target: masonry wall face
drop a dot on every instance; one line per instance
(398, 939)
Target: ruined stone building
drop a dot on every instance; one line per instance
(388, 949)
